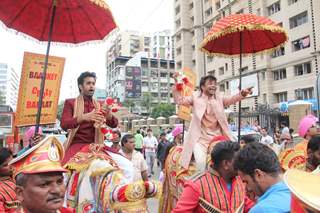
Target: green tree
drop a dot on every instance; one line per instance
(60, 109)
(163, 110)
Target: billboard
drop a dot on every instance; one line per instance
(132, 82)
(247, 81)
(29, 89)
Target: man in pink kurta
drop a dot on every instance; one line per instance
(208, 119)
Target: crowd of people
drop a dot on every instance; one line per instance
(250, 176)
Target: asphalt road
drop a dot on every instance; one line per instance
(153, 204)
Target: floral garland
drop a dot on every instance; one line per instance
(181, 81)
(113, 105)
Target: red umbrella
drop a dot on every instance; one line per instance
(65, 21)
(243, 34)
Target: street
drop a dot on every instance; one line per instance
(153, 204)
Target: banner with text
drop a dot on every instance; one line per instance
(29, 89)
(184, 112)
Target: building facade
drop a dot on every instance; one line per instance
(128, 43)
(162, 45)
(154, 83)
(9, 86)
(282, 76)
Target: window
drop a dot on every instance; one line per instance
(290, 2)
(177, 10)
(191, 6)
(179, 65)
(222, 87)
(221, 70)
(278, 52)
(163, 75)
(306, 93)
(178, 37)
(144, 84)
(301, 43)
(145, 72)
(264, 98)
(259, 12)
(178, 23)
(227, 85)
(161, 40)
(209, 58)
(218, 5)
(212, 72)
(279, 74)
(208, 12)
(274, 8)
(298, 20)
(263, 76)
(244, 69)
(162, 52)
(179, 51)
(281, 97)
(226, 67)
(239, 11)
(302, 69)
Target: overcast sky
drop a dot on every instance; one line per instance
(140, 15)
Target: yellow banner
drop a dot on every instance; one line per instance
(29, 89)
(184, 112)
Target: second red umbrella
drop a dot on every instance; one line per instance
(243, 34)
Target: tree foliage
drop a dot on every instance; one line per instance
(163, 110)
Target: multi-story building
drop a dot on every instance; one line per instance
(9, 85)
(162, 45)
(128, 43)
(155, 82)
(280, 76)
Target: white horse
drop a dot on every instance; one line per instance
(101, 181)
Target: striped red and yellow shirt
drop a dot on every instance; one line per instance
(8, 200)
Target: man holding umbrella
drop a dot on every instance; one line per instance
(208, 119)
(80, 114)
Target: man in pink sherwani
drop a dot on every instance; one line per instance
(208, 119)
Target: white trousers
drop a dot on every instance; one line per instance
(200, 155)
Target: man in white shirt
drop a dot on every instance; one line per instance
(284, 128)
(139, 164)
(266, 139)
(150, 145)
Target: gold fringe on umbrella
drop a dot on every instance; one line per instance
(242, 27)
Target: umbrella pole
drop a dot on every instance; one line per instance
(240, 82)
(44, 73)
